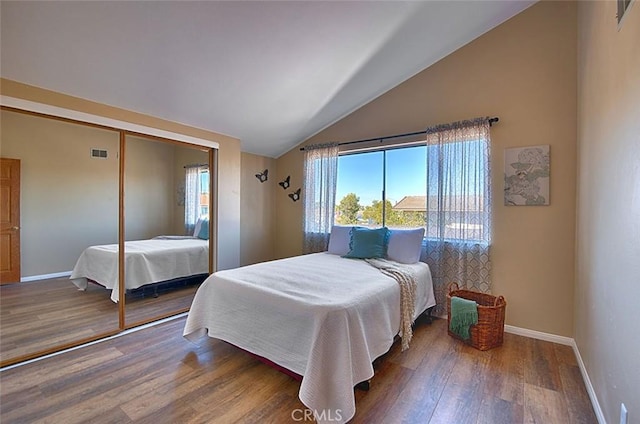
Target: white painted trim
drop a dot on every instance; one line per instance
(45, 276)
(568, 341)
(101, 120)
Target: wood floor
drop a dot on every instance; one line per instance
(40, 315)
(156, 376)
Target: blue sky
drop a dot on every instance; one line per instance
(362, 174)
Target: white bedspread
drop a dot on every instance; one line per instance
(146, 262)
(322, 316)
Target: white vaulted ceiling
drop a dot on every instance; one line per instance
(269, 73)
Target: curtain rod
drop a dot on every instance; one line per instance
(196, 165)
(491, 122)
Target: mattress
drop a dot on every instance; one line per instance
(321, 316)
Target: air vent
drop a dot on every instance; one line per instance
(98, 153)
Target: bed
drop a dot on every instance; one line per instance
(152, 261)
(321, 316)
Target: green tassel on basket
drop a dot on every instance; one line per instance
(464, 313)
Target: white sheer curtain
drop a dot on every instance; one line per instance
(319, 195)
(458, 230)
(192, 194)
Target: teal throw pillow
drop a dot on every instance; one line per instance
(367, 243)
(204, 230)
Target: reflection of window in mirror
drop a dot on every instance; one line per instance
(196, 200)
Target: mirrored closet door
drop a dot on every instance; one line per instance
(84, 191)
(68, 201)
(166, 215)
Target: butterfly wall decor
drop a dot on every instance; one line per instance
(295, 196)
(285, 183)
(263, 176)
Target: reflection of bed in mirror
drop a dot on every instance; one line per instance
(155, 261)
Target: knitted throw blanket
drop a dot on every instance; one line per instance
(464, 314)
(407, 295)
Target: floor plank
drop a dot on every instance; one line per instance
(544, 370)
(495, 410)
(462, 396)
(505, 371)
(544, 405)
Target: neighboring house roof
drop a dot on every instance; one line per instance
(453, 203)
(411, 203)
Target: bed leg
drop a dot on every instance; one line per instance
(364, 385)
(155, 292)
(428, 313)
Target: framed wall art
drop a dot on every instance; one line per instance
(526, 176)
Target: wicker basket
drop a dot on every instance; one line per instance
(489, 331)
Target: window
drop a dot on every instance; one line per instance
(441, 184)
(204, 193)
(440, 187)
(359, 186)
(458, 191)
(393, 178)
(196, 196)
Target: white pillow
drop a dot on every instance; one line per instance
(198, 226)
(405, 246)
(339, 240)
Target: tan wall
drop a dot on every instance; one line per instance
(258, 209)
(68, 200)
(523, 71)
(608, 235)
(228, 248)
(149, 188)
